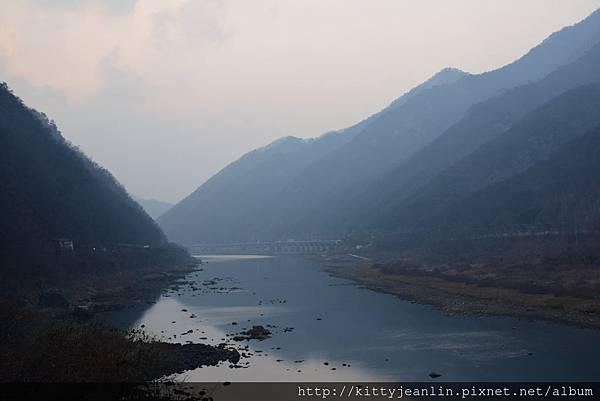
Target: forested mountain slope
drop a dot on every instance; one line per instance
(51, 190)
(532, 141)
(561, 192)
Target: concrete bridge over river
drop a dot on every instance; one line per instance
(266, 248)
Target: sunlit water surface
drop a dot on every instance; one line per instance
(326, 328)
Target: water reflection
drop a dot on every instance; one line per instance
(325, 329)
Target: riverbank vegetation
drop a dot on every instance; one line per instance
(48, 334)
(36, 348)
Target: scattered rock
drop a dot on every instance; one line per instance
(255, 333)
(192, 356)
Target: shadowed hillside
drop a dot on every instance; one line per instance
(533, 140)
(562, 191)
(51, 190)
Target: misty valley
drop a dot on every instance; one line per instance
(451, 237)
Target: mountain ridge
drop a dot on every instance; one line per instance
(305, 195)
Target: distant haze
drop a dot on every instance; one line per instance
(166, 93)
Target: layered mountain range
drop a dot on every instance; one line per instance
(467, 150)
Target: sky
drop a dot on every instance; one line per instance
(166, 93)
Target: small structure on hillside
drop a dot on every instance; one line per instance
(64, 245)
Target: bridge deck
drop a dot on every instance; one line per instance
(269, 248)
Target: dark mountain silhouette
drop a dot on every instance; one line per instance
(383, 157)
(51, 190)
(154, 207)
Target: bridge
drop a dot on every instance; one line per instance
(266, 248)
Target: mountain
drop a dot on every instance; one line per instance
(227, 198)
(562, 191)
(51, 190)
(214, 211)
(462, 194)
(375, 205)
(402, 130)
(319, 196)
(153, 207)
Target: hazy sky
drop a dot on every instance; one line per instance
(166, 93)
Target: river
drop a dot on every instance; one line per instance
(327, 328)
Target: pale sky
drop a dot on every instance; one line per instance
(166, 93)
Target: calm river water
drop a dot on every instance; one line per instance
(326, 328)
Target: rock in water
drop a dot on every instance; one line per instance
(255, 333)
